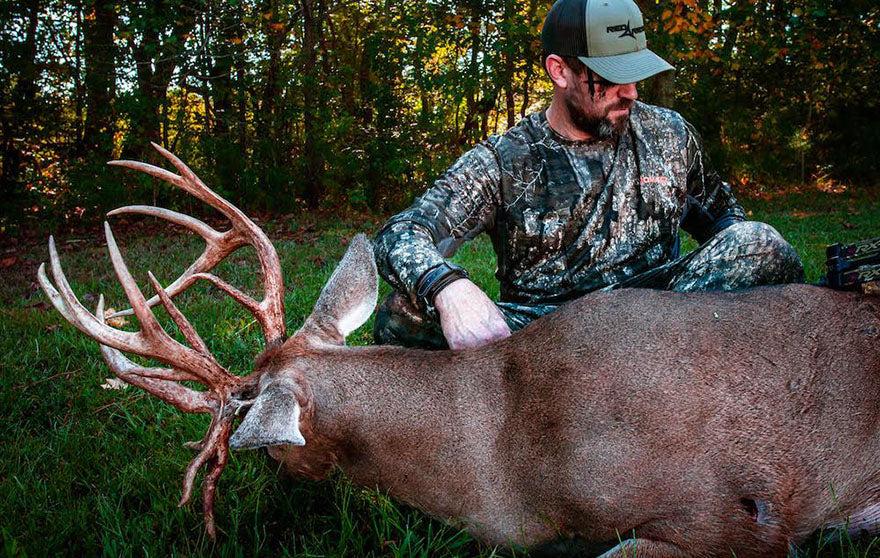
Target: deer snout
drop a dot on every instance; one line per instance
(273, 420)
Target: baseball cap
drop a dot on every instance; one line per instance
(608, 36)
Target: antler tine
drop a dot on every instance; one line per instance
(148, 321)
(149, 343)
(160, 382)
(199, 227)
(214, 450)
(68, 305)
(218, 246)
(270, 311)
(209, 483)
(54, 296)
(209, 448)
(189, 332)
(196, 187)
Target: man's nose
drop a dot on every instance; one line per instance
(628, 91)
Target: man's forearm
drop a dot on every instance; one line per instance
(711, 205)
(457, 207)
(405, 251)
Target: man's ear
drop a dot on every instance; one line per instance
(349, 297)
(556, 69)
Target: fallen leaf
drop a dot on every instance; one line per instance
(39, 306)
(847, 225)
(52, 327)
(118, 321)
(800, 214)
(8, 261)
(114, 383)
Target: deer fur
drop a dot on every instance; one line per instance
(651, 423)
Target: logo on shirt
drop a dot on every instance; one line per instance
(661, 180)
(627, 32)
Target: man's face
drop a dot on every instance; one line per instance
(604, 115)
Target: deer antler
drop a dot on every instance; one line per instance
(226, 392)
(270, 311)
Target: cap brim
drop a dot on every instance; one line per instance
(627, 68)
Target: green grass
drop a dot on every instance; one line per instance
(97, 472)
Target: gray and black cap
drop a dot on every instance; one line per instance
(608, 36)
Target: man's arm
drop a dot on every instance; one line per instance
(711, 206)
(459, 206)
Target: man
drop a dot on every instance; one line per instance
(589, 194)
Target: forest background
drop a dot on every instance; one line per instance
(287, 106)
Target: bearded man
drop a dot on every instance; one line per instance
(589, 194)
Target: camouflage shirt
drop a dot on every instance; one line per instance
(565, 217)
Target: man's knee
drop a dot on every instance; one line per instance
(745, 254)
(782, 262)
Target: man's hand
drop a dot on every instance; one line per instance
(468, 317)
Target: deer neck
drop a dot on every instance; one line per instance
(416, 424)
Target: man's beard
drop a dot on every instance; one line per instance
(599, 127)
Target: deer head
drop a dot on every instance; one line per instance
(275, 402)
(345, 303)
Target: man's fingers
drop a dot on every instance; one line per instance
(479, 334)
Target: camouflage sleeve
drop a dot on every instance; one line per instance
(460, 205)
(711, 206)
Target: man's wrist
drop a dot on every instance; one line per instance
(435, 280)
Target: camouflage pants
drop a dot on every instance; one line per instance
(746, 254)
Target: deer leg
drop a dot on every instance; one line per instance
(645, 548)
(865, 522)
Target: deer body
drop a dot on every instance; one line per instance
(655, 423)
(630, 410)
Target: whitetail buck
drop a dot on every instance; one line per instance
(679, 424)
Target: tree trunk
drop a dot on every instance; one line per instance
(473, 80)
(509, 55)
(17, 124)
(661, 89)
(226, 154)
(99, 52)
(426, 109)
(530, 58)
(79, 101)
(313, 14)
(157, 56)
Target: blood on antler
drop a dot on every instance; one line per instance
(226, 393)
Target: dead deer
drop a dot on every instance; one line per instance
(647, 422)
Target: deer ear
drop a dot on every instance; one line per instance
(273, 420)
(349, 297)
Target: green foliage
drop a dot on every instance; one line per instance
(365, 103)
(779, 89)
